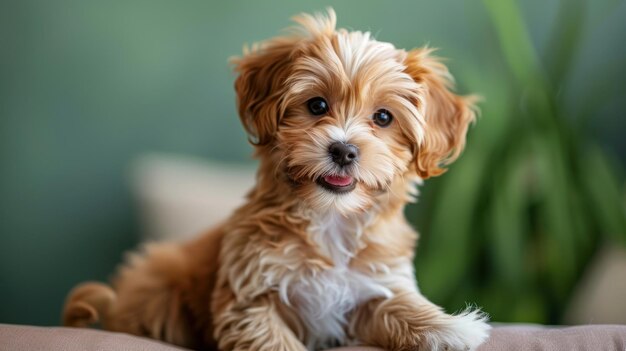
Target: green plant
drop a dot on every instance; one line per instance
(526, 207)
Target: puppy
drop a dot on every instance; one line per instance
(321, 254)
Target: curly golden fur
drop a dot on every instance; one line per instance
(320, 254)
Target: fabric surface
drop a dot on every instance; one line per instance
(531, 338)
(27, 338)
(537, 338)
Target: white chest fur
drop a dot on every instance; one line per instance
(323, 300)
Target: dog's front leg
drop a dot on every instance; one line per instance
(255, 326)
(408, 321)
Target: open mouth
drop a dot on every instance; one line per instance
(337, 184)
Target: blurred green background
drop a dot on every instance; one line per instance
(86, 87)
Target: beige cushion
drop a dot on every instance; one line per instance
(180, 197)
(594, 337)
(599, 297)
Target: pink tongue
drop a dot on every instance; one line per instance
(338, 181)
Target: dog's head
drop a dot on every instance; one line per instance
(344, 118)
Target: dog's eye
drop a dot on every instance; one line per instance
(382, 118)
(317, 105)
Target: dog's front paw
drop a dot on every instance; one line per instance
(462, 332)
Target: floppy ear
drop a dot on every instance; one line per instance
(262, 72)
(447, 115)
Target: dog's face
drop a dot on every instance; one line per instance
(344, 118)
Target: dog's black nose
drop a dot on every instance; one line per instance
(343, 154)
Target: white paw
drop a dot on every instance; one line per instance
(463, 332)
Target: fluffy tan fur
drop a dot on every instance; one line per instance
(299, 267)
